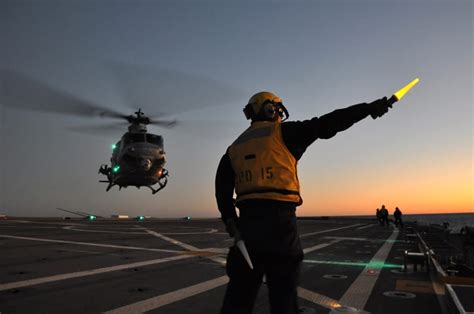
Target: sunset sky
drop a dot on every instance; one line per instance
(318, 56)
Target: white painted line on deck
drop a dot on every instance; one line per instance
(171, 297)
(168, 239)
(366, 226)
(37, 281)
(349, 238)
(197, 232)
(219, 250)
(91, 244)
(48, 223)
(323, 300)
(188, 247)
(319, 246)
(360, 290)
(23, 226)
(73, 228)
(329, 230)
(90, 252)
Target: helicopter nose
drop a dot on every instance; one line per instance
(145, 164)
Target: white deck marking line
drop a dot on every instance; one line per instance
(373, 241)
(360, 290)
(171, 297)
(91, 252)
(18, 226)
(91, 244)
(189, 247)
(319, 246)
(322, 300)
(367, 226)
(73, 228)
(220, 250)
(185, 233)
(329, 230)
(350, 238)
(37, 281)
(168, 239)
(48, 223)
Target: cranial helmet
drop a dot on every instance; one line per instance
(264, 105)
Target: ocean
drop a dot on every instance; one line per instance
(456, 221)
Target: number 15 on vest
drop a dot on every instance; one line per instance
(265, 173)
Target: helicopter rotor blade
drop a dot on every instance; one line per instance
(173, 91)
(110, 129)
(164, 123)
(19, 91)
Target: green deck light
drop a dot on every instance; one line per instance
(92, 217)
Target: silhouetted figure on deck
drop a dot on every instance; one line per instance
(384, 216)
(377, 214)
(397, 214)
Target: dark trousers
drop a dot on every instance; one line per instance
(275, 250)
(398, 221)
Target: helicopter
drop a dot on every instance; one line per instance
(138, 158)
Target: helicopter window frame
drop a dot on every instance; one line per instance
(131, 138)
(154, 139)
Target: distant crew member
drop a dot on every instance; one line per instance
(397, 215)
(384, 216)
(377, 214)
(261, 166)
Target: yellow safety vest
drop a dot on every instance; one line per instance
(263, 166)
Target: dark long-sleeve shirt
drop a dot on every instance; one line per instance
(297, 136)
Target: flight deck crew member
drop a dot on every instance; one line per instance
(384, 215)
(397, 215)
(261, 166)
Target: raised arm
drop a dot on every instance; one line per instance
(298, 135)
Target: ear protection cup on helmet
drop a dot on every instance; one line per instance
(268, 110)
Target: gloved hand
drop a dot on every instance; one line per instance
(231, 228)
(379, 107)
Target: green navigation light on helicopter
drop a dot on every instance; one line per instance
(116, 169)
(114, 146)
(92, 217)
(141, 217)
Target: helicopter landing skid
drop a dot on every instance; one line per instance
(109, 186)
(162, 185)
(162, 182)
(153, 190)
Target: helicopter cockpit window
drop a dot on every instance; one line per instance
(134, 138)
(154, 139)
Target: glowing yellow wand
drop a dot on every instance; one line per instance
(399, 94)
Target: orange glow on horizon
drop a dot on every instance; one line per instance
(415, 189)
